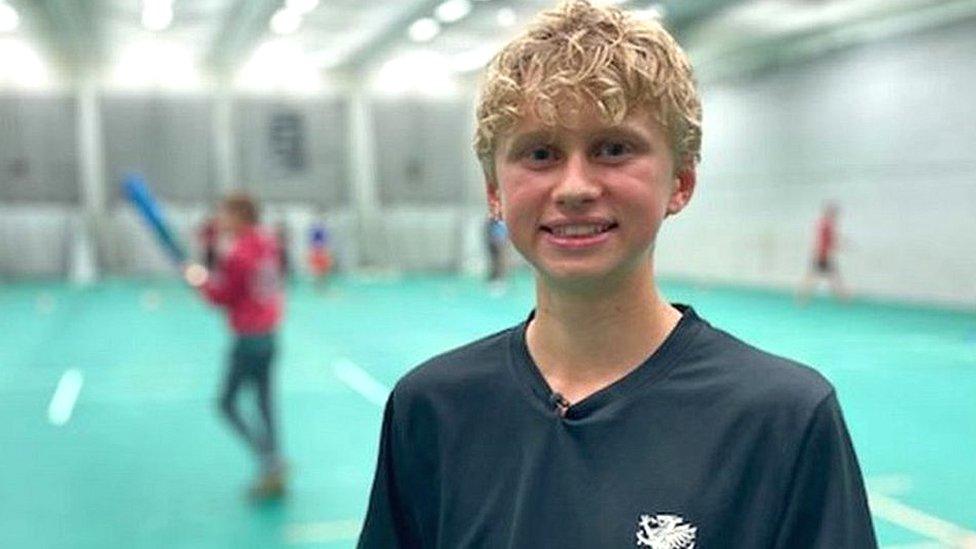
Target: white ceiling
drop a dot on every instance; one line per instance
(354, 34)
(222, 33)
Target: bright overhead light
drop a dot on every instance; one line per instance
(326, 59)
(474, 59)
(9, 19)
(505, 17)
(424, 30)
(21, 65)
(302, 6)
(156, 64)
(157, 16)
(418, 73)
(285, 21)
(453, 10)
(654, 12)
(280, 66)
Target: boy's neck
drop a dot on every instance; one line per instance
(585, 341)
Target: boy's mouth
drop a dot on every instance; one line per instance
(579, 230)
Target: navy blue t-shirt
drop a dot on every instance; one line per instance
(710, 443)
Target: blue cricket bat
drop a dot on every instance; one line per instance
(138, 194)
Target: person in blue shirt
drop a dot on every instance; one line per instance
(496, 237)
(320, 261)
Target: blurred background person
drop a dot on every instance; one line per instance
(247, 285)
(496, 237)
(319, 253)
(824, 262)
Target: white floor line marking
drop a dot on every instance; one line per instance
(893, 485)
(920, 522)
(322, 532)
(360, 381)
(63, 402)
(918, 545)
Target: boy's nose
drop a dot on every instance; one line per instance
(577, 185)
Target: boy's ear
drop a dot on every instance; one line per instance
(685, 180)
(494, 198)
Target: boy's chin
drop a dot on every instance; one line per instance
(588, 276)
(576, 277)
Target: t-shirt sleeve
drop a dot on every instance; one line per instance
(389, 523)
(826, 506)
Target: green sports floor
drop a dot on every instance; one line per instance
(133, 454)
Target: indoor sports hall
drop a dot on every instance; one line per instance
(351, 123)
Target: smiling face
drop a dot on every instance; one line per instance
(583, 204)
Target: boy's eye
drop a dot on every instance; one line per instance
(612, 149)
(540, 154)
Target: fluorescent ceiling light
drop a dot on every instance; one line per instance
(302, 6)
(156, 64)
(417, 73)
(285, 21)
(326, 59)
(654, 12)
(157, 15)
(474, 59)
(21, 65)
(453, 10)
(9, 18)
(506, 17)
(424, 30)
(280, 66)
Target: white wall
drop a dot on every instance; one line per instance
(888, 130)
(34, 239)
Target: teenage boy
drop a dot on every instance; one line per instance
(609, 417)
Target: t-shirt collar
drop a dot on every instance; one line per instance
(662, 360)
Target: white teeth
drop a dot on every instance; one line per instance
(579, 230)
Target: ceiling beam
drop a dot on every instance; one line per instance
(683, 13)
(762, 53)
(79, 25)
(241, 31)
(385, 38)
(67, 30)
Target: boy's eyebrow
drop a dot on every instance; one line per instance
(520, 141)
(620, 132)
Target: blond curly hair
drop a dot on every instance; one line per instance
(579, 56)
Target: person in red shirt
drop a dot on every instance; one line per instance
(246, 284)
(824, 263)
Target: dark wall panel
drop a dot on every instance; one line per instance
(293, 150)
(38, 151)
(421, 151)
(168, 139)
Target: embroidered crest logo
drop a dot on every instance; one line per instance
(665, 532)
